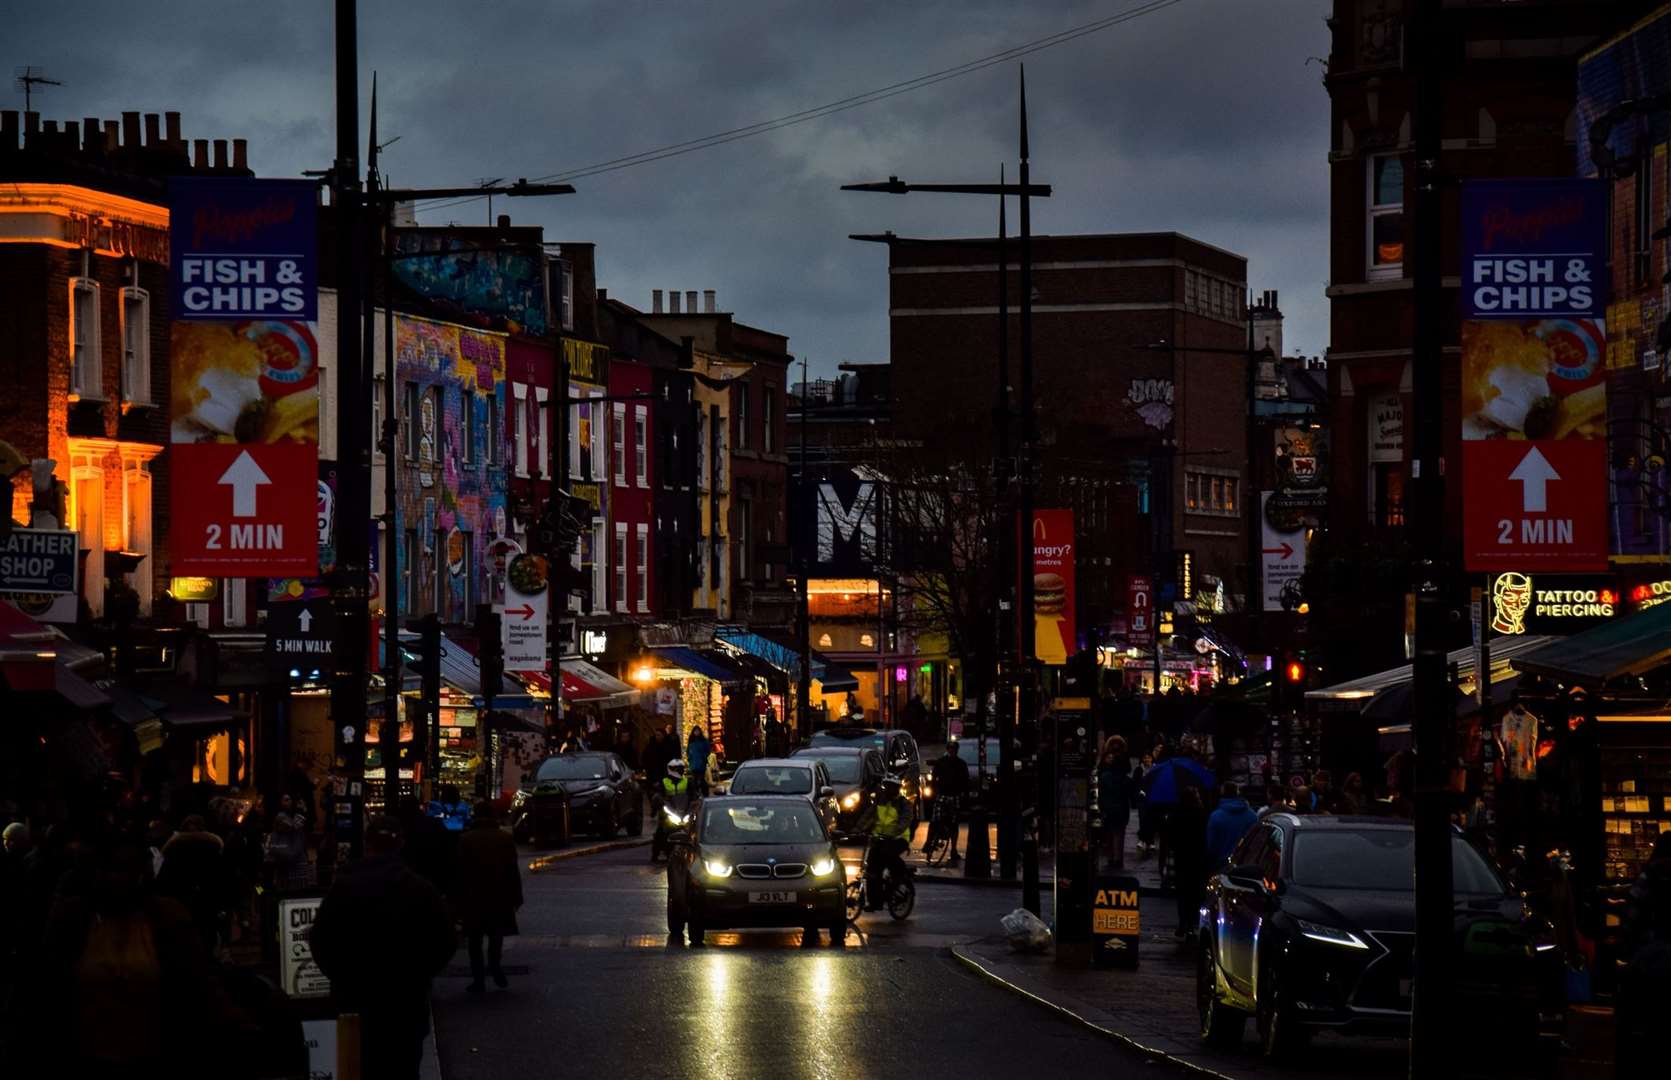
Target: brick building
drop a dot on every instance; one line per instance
(84, 264)
(1125, 427)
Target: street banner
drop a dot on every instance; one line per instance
(1281, 548)
(244, 409)
(1054, 639)
(301, 636)
(39, 561)
(1140, 608)
(522, 622)
(1534, 395)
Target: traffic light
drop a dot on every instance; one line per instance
(490, 651)
(1296, 672)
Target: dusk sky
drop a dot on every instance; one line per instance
(1199, 116)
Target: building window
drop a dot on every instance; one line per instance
(1386, 217)
(1211, 493)
(234, 600)
(86, 377)
(643, 568)
(466, 426)
(136, 346)
(543, 435)
(641, 446)
(768, 416)
(600, 566)
(742, 416)
(520, 412)
(136, 491)
(1644, 254)
(618, 437)
(745, 538)
(443, 595)
(721, 452)
(491, 449)
(1386, 494)
(409, 419)
(621, 566)
(596, 434)
(565, 293)
(377, 385)
(701, 451)
(432, 447)
(467, 573)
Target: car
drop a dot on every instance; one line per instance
(900, 754)
(981, 777)
(756, 861)
(1310, 925)
(788, 776)
(602, 794)
(856, 772)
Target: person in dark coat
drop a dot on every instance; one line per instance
(697, 749)
(195, 872)
(427, 846)
(1645, 987)
(381, 935)
(1187, 824)
(662, 749)
(1116, 791)
(626, 748)
(489, 892)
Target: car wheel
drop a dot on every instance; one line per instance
(1221, 1026)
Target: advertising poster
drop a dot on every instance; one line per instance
(301, 975)
(1053, 600)
(244, 409)
(1282, 549)
(1534, 395)
(522, 625)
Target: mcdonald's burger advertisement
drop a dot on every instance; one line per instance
(1053, 601)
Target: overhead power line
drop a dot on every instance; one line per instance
(869, 97)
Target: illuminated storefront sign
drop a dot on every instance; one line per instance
(66, 216)
(1650, 594)
(1551, 604)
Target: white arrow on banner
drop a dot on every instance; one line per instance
(244, 476)
(305, 619)
(1534, 472)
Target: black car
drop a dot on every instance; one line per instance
(756, 861)
(1311, 925)
(900, 755)
(856, 773)
(602, 795)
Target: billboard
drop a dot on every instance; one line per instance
(1054, 638)
(244, 405)
(1534, 395)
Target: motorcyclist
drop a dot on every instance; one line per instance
(888, 823)
(675, 795)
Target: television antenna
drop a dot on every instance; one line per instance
(27, 79)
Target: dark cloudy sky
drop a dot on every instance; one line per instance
(1203, 117)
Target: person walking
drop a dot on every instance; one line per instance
(1186, 842)
(195, 873)
(697, 749)
(1227, 825)
(488, 894)
(1116, 791)
(626, 748)
(381, 935)
(664, 747)
(286, 845)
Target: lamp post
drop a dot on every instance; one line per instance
(1011, 571)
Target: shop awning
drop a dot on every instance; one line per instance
(585, 682)
(836, 679)
(703, 662)
(76, 690)
(189, 707)
(786, 657)
(1353, 695)
(1628, 646)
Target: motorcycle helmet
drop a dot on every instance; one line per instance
(676, 768)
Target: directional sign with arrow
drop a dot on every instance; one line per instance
(1281, 552)
(247, 510)
(1534, 473)
(1535, 506)
(522, 628)
(244, 476)
(300, 637)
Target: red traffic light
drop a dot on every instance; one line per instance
(1296, 671)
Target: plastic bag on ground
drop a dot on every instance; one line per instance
(1026, 931)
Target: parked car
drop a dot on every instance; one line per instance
(982, 778)
(1310, 925)
(601, 792)
(753, 861)
(806, 776)
(900, 754)
(856, 773)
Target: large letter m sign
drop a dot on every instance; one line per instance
(839, 523)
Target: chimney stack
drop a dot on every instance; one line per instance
(690, 301)
(153, 131)
(220, 153)
(72, 135)
(240, 153)
(31, 126)
(112, 136)
(8, 129)
(200, 153)
(655, 294)
(504, 221)
(90, 139)
(171, 126)
(130, 131)
(708, 301)
(673, 301)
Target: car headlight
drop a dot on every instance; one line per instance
(823, 867)
(850, 800)
(717, 868)
(1330, 935)
(673, 818)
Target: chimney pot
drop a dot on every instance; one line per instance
(90, 134)
(112, 136)
(171, 125)
(153, 130)
(200, 153)
(130, 131)
(708, 301)
(673, 301)
(50, 128)
(72, 134)
(504, 221)
(240, 153)
(655, 301)
(31, 125)
(603, 294)
(220, 153)
(690, 301)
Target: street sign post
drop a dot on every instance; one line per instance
(522, 622)
(1140, 608)
(300, 637)
(39, 561)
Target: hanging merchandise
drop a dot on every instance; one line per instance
(1519, 732)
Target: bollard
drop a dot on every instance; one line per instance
(1030, 873)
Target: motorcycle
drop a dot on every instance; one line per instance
(671, 827)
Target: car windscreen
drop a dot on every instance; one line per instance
(843, 768)
(761, 823)
(875, 740)
(573, 768)
(1383, 859)
(772, 780)
(969, 751)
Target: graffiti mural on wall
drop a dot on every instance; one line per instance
(452, 499)
(497, 288)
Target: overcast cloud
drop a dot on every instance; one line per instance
(1203, 117)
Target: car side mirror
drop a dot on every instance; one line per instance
(826, 792)
(1247, 877)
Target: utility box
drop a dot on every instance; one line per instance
(1116, 923)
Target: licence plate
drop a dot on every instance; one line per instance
(771, 898)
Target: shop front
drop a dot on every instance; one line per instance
(834, 685)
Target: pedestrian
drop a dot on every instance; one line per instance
(951, 783)
(1352, 798)
(1116, 791)
(777, 736)
(1187, 829)
(1645, 986)
(301, 788)
(427, 846)
(451, 809)
(1228, 824)
(489, 893)
(1147, 816)
(1276, 800)
(1324, 799)
(381, 935)
(286, 845)
(664, 747)
(195, 873)
(1303, 801)
(697, 749)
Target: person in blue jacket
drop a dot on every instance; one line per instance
(697, 749)
(1228, 824)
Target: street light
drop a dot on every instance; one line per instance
(979, 862)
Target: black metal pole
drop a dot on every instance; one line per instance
(348, 685)
(1430, 1047)
(559, 598)
(1029, 438)
(394, 667)
(1004, 667)
(803, 616)
(1255, 602)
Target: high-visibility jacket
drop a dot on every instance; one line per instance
(669, 787)
(890, 823)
